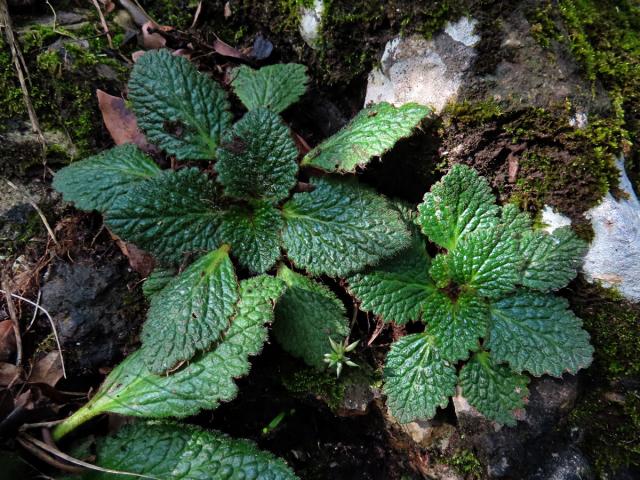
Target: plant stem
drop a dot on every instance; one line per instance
(74, 421)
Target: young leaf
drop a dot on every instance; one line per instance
(341, 227)
(417, 378)
(539, 334)
(130, 389)
(155, 282)
(551, 260)
(396, 288)
(307, 315)
(457, 205)
(254, 235)
(184, 452)
(180, 109)
(274, 87)
(457, 325)
(190, 312)
(257, 158)
(371, 133)
(493, 389)
(96, 183)
(486, 260)
(170, 214)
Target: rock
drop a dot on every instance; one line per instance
(568, 464)
(429, 72)
(311, 23)
(95, 314)
(612, 256)
(357, 397)
(553, 219)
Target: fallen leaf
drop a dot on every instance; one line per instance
(227, 10)
(136, 55)
(150, 39)
(48, 370)
(227, 50)
(140, 261)
(8, 373)
(7, 340)
(121, 122)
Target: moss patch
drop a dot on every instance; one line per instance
(320, 384)
(466, 464)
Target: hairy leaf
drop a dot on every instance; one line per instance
(97, 182)
(130, 389)
(372, 132)
(457, 325)
(173, 213)
(486, 260)
(180, 109)
(341, 227)
(274, 87)
(170, 451)
(493, 389)
(307, 314)
(158, 279)
(254, 234)
(457, 205)
(396, 288)
(257, 158)
(514, 221)
(551, 260)
(190, 312)
(417, 378)
(538, 333)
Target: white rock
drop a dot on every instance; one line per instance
(553, 219)
(310, 23)
(614, 255)
(579, 120)
(428, 72)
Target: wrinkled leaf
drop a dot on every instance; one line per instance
(372, 132)
(157, 280)
(417, 379)
(97, 182)
(307, 314)
(538, 333)
(341, 227)
(190, 312)
(171, 451)
(274, 87)
(180, 109)
(257, 158)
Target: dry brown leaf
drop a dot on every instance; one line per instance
(8, 373)
(227, 10)
(150, 39)
(140, 261)
(227, 50)
(7, 340)
(136, 55)
(48, 370)
(121, 122)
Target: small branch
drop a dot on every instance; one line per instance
(14, 320)
(33, 203)
(105, 27)
(45, 457)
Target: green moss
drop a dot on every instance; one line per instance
(466, 464)
(11, 102)
(543, 28)
(321, 384)
(473, 113)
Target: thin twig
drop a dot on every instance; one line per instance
(52, 423)
(196, 15)
(45, 457)
(105, 27)
(14, 320)
(16, 54)
(35, 311)
(53, 325)
(33, 203)
(54, 451)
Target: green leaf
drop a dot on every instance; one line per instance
(457, 205)
(180, 109)
(551, 260)
(486, 260)
(371, 133)
(254, 234)
(171, 451)
(341, 227)
(190, 312)
(159, 278)
(456, 325)
(417, 378)
(257, 158)
(514, 221)
(274, 87)
(307, 314)
(493, 389)
(97, 182)
(173, 213)
(130, 389)
(396, 288)
(539, 334)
